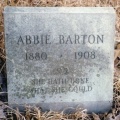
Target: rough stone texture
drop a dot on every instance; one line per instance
(60, 57)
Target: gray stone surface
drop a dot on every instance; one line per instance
(60, 57)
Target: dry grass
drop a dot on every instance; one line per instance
(34, 113)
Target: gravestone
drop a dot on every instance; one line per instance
(60, 57)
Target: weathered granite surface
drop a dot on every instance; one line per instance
(60, 57)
